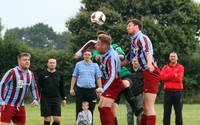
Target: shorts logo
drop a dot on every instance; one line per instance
(46, 76)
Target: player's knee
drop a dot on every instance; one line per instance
(57, 119)
(47, 119)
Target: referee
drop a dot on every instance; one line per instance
(86, 73)
(52, 91)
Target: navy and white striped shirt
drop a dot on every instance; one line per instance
(14, 86)
(86, 74)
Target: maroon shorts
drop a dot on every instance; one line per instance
(114, 89)
(17, 115)
(151, 80)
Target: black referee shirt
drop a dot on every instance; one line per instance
(52, 84)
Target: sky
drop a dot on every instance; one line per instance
(23, 13)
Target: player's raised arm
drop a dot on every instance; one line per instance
(87, 45)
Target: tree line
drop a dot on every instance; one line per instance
(172, 25)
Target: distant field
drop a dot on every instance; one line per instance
(191, 115)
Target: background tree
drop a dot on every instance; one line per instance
(171, 25)
(39, 36)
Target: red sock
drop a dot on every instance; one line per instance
(151, 120)
(106, 116)
(143, 119)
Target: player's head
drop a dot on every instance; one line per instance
(52, 63)
(133, 26)
(135, 63)
(85, 105)
(103, 32)
(103, 43)
(173, 58)
(24, 60)
(87, 55)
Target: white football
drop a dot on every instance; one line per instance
(98, 17)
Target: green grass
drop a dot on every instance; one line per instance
(191, 115)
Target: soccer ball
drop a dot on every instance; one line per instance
(98, 17)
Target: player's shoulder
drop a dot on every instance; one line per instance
(180, 65)
(60, 73)
(80, 63)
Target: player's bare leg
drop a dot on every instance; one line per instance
(57, 120)
(47, 120)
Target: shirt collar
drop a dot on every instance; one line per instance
(87, 63)
(20, 69)
(104, 55)
(135, 36)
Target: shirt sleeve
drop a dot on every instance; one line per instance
(34, 89)
(166, 74)
(180, 73)
(76, 70)
(95, 53)
(4, 83)
(146, 44)
(111, 65)
(120, 51)
(89, 117)
(130, 55)
(62, 87)
(98, 71)
(89, 44)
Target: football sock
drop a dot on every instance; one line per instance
(143, 119)
(106, 116)
(46, 123)
(151, 120)
(55, 123)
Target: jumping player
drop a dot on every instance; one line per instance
(142, 49)
(14, 86)
(124, 72)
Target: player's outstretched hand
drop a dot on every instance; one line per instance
(77, 55)
(99, 91)
(34, 103)
(151, 68)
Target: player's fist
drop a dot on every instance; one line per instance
(150, 68)
(77, 55)
(72, 92)
(34, 103)
(97, 58)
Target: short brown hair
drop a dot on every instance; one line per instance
(135, 22)
(87, 50)
(106, 39)
(101, 32)
(23, 54)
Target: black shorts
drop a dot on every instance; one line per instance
(50, 106)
